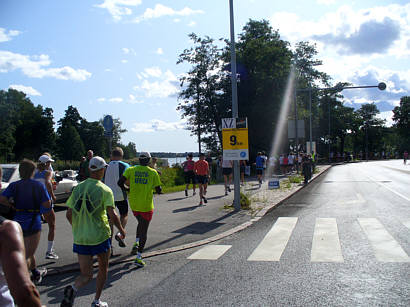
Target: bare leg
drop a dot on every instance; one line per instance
(86, 268)
(50, 218)
(102, 273)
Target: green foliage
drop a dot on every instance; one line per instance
(60, 165)
(172, 176)
(245, 201)
(295, 179)
(401, 117)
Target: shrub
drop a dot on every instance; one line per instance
(61, 165)
(172, 176)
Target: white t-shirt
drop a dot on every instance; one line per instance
(226, 163)
(291, 158)
(113, 173)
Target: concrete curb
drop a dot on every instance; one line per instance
(258, 216)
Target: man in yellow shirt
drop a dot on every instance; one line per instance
(140, 181)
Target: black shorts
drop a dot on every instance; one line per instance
(122, 206)
(202, 179)
(259, 171)
(190, 177)
(227, 171)
(242, 169)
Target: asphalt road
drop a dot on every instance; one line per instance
(342, 241)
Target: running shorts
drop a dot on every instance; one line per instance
(122, 206)
(201, 179)
(190, 177)
(226, 171)
(145, 215)
(92, 249)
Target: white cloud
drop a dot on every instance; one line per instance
(101, 99)
(158, 125)
(119, 8)
(325, 2)
(133, 99)
(192, 24)
(388, 116)
(159, 51)
(166, 86)
(161, 10)
(28, 90)
(33, 67)
(116, 100)
(125, 50)
(7, 35)
(124, 61)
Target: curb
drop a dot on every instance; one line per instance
(258, 216)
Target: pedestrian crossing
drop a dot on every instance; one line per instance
(325, 248)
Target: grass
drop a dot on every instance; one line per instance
(176, 188)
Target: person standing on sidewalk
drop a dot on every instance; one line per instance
(30, 197)
(141, 180)
(405, 157)
(88, 206)
(15, 284)
(227, 172)
(84, 170)
(43, 174)
(259, 167)
(113, 173)
(189, 174)
(202, 171)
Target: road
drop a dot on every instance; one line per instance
(342, 241)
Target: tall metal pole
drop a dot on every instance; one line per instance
(296, 126)
(328, 107)
(236, 178)
(310, 120)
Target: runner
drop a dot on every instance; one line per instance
(30, 197)
(405, 157)
(259, 167)
(227, 172)
(88, 206)
(141, 180)
(43, 175)
(201, 169)
(15, 284)
(209, 160)
(189, 174)
(113, 173)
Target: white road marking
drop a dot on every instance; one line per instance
(359, 200)
(385, 247)
(275, 241)
(388, 188)
(210, 252)
(326, 245)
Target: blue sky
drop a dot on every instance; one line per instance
(119, 57)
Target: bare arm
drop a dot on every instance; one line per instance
(5, 201)
(115, 219)
(50, 190)
(13, 259)
(69, 215)
(158, 189)
(123, 181)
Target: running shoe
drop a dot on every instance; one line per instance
(37, 278)
(68, 299)
(51, 255)
(139, 262)
(99, 304)
(226, 192)
(135, 247)
(205, 200)
(120, 240)
(229, 189)
(186, 193)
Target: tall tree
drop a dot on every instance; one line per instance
(69, 143)
(401, 117)
(372, 127)
(202, 97)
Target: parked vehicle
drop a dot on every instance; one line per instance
(65, 180)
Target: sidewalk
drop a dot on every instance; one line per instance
(178, 223)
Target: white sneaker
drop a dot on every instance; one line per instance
(99, 304)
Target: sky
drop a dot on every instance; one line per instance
(118, 57)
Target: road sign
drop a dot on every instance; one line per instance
(108, 123)
(273, 184)
(235, 139)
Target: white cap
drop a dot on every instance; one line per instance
(97, 163)
(145, 154)
(45, 159)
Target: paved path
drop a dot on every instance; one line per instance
(178, 223)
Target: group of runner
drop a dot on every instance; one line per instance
(197, 172)
(90, 212)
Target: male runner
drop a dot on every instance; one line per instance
(88, 206)
(113, 173)
(140, 181)
(201, 169)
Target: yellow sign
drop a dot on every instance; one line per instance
(234, 139)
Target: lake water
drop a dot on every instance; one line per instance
(179, 160)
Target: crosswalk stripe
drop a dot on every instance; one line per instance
(407, 224)
(386, 248)
(210, 252)
(275, 241)
(326, 245)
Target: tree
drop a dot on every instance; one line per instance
(401, 117)
(203, 97)
(371, 127)
(92, 136)
(69, 143)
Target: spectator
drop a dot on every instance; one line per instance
(84, 170)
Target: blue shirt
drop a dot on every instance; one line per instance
(28, 195)
(259, 162)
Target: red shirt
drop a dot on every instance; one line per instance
(201, 168)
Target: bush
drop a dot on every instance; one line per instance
(61, 165)
(172, 176)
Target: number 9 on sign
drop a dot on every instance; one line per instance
(235, 138)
